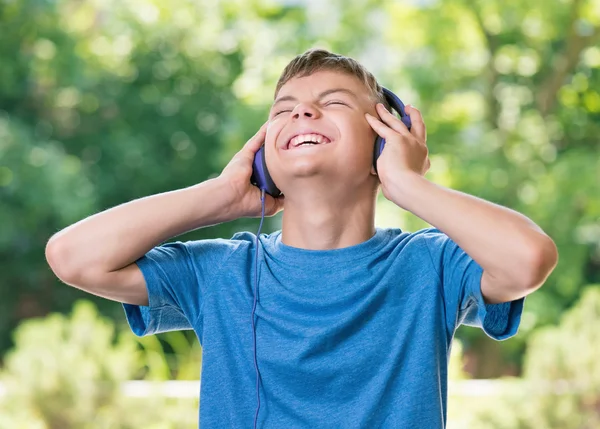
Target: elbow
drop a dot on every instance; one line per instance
(542, 260)
(56, 253)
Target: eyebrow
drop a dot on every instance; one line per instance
(321, 95)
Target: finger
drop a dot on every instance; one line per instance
(391, 120)
(256, 141)
(380, 128)
(417, 124)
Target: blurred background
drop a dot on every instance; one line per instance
(103, 102)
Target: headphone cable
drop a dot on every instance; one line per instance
(262, 218)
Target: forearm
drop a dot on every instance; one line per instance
(504, 242)
(116, 237)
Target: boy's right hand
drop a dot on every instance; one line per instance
(237, 174)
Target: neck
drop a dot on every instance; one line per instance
(323, 221)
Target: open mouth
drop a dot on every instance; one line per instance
(307, 140)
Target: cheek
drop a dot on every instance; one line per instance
(361, 136)
(360, 145)
(272, 126)
(272, 133)
(357, 126)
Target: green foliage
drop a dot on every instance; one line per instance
(568, 354)
(171, 356)
(561, 378)
(67, 373)
(99, 104)
(104, 102)
(509, 94)
(456, 363)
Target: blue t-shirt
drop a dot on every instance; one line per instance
(357, 337)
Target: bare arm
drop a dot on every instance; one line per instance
(98, 254)
(515, 254)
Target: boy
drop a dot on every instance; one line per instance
(353, 323)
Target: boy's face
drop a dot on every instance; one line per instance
(333, 105)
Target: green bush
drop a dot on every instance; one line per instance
(561, 388)
(66, 372)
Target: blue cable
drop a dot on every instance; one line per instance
(262, 218)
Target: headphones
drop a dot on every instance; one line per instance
(260, 174)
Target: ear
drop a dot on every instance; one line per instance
(373, 172)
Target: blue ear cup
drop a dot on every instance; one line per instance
(260, 174)
(397, 105)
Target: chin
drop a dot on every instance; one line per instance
(304, 170)
(302, 167)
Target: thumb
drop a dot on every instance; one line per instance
(256, 141)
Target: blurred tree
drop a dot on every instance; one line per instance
(104, 102)
(100, 103)
(509, 94)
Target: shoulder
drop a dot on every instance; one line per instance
(208, 250)
(428, 234)
(428, 245)
(421, 240)
(239, 242)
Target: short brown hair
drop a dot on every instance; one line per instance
(315, 59)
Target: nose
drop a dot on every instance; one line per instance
(305, 110)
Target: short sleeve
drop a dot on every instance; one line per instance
(460, 276)
(176, 275)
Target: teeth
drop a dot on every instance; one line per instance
(304, 138)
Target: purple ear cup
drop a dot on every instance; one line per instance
(260, 174)
(398, 106)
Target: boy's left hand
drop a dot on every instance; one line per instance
(405, 152)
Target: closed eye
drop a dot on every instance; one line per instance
(336, 102)
(327, 104)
